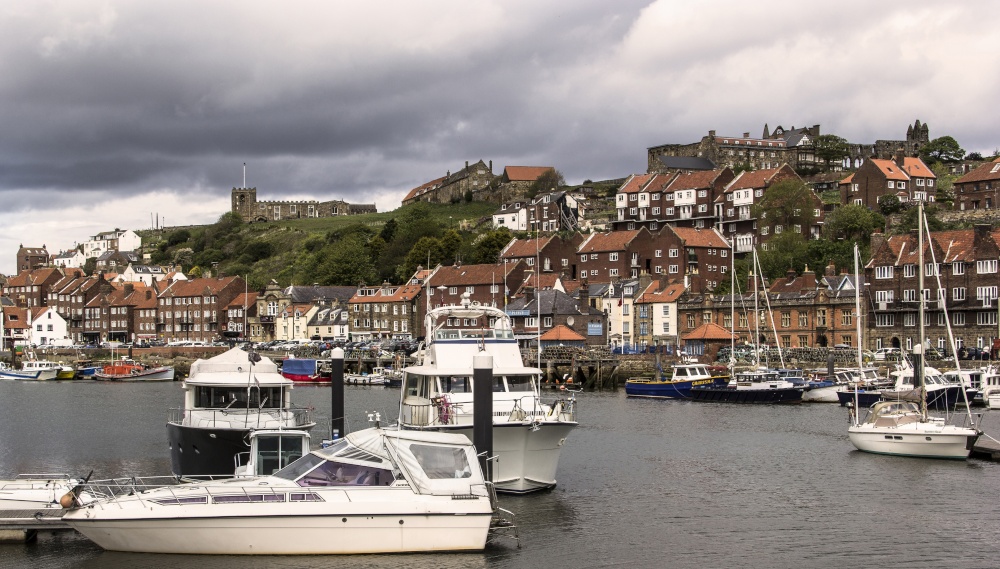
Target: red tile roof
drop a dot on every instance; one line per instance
(611, 241)
(244, 299)
(635, 183)
(670, 293)
(421, 190)
(694, 237)
(694, 180)
(987, 171)
(708, 331)
(198, 287)
(468, 275)
(561, 333)
(916, 168)
(525, 173)
(399, 293)
(523, 248)
(889, 169)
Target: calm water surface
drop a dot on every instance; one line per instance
(641, 484)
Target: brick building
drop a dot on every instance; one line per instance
(905, 177)
(30, 258)
(978, 189)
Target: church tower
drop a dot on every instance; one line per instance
(245, 202)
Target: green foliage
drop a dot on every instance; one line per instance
(908, 220)
(788, 202)
(974, 156)
(254, 251)
(196, 272)
(426, 252)
(550, 180)
(943, 149)
(389, 230)
(786, 250)
(486, 249)
(852, 223)
(178, 237)
(945, 184)
(889, 204)
(89, 266)
(821, 252)
(830, 148)
(468, 196)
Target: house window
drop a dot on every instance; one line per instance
(612, 256)
(786, 319)
(547, 321)
(958, 319)
(958, 293)
(846, 318)
(672, 269)
(883, 272)
(673, 253)
(909, 270)
(986, 267)
(613, 272)
(958, 268)
(885, 319)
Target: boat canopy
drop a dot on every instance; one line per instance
(235, 367)
(297, 366)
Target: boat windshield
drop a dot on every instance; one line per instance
(353, 470)
(442, 462)
(218, 397)
(456, 384)
(520, 383)
(473, 334)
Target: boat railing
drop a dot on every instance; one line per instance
(289, 417)
(102, 494)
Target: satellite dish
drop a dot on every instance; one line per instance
(570, 320)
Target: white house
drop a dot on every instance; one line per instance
(329, 323)
(72, 259)
(513, 215)
(142, 273)
(117, 240)
(47, 327)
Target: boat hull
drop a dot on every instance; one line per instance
(914, 442)
(157, 374)
(825, 394)
(335, 528)
(664, 389)
(527, 457)
(759, 396)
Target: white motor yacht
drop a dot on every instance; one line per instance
(437, 394)
(900, 428)
(374, 491)
(226, 398)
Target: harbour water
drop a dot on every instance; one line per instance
(642, 483)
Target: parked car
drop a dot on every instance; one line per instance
(973, 353)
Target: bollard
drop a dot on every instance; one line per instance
(482, 410)
(337, 393)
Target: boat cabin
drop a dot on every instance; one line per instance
(271, 450)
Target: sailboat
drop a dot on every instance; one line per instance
(903, 428)
(757, 385)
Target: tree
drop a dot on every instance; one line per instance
(550, 180)
(944, 149)
(425, 252)
(389, 230)
(908, 220)
(346, 263)
(786, 250)
(486, 249)
(944, 184)
(889, 204)
(974, 156)
(89, 266)
(830, 148)
(852, 223)
(788, 203)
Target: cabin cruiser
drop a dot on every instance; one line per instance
(940, 394)
(38, 492)
(226, 398)
(374, 491)
(437, 394)
(682, 378)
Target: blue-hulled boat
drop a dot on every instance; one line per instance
(682, 378)
(760, 386)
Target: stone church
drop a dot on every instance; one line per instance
(244, 202)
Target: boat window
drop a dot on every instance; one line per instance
(332, 473)
(442, 462)
(416, 386)
(680, 372)
(296, 469)
(451, 384)
(245, 498)
(275, 452)
(238, 397)
(498, 386)
(519, 383)
(304, 497)
(181, 501)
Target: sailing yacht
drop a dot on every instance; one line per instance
(903, 428)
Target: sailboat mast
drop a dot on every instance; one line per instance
(857, 304)
(732, 307)
(918, 370)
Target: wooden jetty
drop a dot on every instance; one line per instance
(986, 448)
(24, 525)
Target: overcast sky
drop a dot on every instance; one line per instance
(113, 112)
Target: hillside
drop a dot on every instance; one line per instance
(343, 250)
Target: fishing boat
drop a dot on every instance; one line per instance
(753, 386)
(303, 370)
(437, 394)
(682, 378)
(127, 369)
(32, 370)
(374, 491)
(375, 377)
(227, 397)
(902, 427)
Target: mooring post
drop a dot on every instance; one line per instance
(482, 409)
(337, 393)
